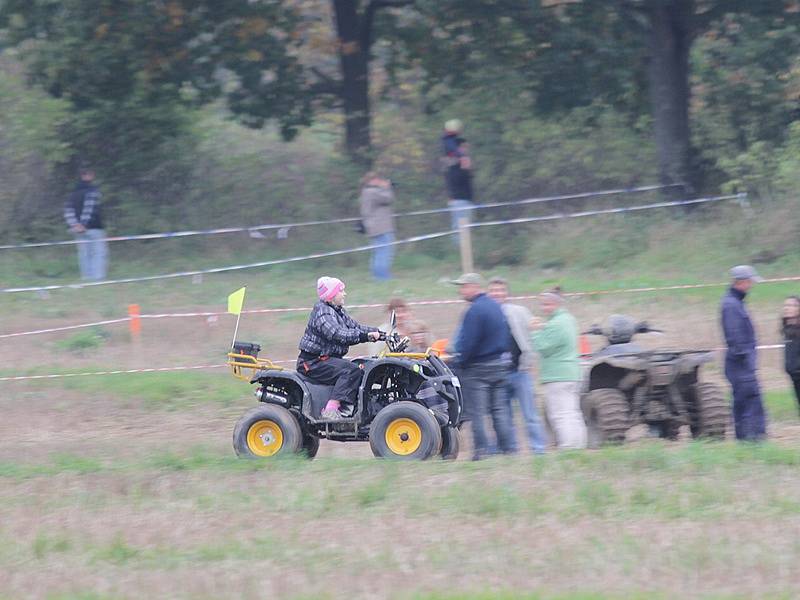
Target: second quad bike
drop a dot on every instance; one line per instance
(627, 385)
(408, 407)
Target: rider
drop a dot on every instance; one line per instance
(328, 336)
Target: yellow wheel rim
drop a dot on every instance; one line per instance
(264, 438)
(403, 436)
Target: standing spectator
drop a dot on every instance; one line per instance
(459, 185)
(377, 198)
(457, 173)
(790, 329)
(791, 339)
(520, 383)
(404, 319)
(82, 214)
(749, 418)
(482, 362)
(420, 338)
(556, 341)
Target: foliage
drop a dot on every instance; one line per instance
(30, 149)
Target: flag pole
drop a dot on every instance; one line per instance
(236, 330)
(238, 315)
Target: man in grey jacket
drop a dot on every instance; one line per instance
(520, 383)
(377, 198)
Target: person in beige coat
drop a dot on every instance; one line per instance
(377, 199)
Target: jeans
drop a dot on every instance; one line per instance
(93, 255)
(520, 386)
(463, 211)
(562, 401)
(485, 387)
(381, 263)
(749, 418)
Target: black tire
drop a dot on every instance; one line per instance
(310, 446)
(710, 412)
(607, 416)
(405, 431)
(267, 431)
(666, 430)
(451, 443)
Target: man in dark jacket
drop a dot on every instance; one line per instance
(483, 361)
(82, 214)
(328, 336)
(740, 360)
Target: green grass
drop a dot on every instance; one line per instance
(168, 390)
(83, 341)
(274, 516)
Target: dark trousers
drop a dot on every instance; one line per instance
(485, 388)
(749, 417)
(796, 382)
(343, 375)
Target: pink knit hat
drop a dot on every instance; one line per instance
(328, 287)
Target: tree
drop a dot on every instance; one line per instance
(633, 54)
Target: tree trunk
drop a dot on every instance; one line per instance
(354, 59)
(671, 38)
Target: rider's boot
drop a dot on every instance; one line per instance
(331, 411)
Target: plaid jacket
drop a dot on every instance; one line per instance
(331, 331)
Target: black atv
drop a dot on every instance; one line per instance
(408, 407)
(627, 385)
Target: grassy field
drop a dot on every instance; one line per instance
(125, 486)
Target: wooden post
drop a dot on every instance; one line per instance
(465, 243)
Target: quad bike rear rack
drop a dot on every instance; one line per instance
(244, 366)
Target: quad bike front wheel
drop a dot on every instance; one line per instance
(607, 416)
(405, 431)
(710, 412)
(450, 443)
(310, 445)
(266, 431)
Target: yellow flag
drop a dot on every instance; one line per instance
(235, 301)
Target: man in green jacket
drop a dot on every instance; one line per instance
(556, 341)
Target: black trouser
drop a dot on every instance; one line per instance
(796, 381)
(343, 375)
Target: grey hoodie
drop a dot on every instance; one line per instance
(518, 318)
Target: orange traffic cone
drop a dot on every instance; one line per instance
(584, 347)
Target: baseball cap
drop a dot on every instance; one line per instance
(468, 278)
(745, 272)
(453, 126)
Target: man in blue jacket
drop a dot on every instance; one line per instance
(740, 360)
(483, 361)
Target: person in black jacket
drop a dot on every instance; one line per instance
(83, 216)
(459, 185)
(790, 329)
(483, 360)
(749, 417)
(328, 336)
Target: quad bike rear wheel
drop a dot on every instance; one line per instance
(267, 431)
(450, 443)
(405, 431)
(710, 412)
(607, 416)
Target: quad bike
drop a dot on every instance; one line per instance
(627, 385)
(408, 406)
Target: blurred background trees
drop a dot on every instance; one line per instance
(197, 112)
